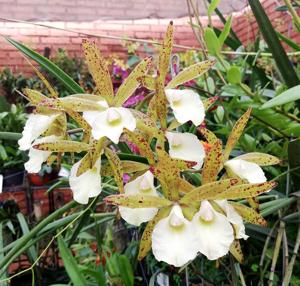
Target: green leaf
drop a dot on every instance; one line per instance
(282, 61)
(287, 96)
(32, 253)
(10, 136)
(4, 275)
(70, 264)
(126, 271)
(212, 42)
(234, 75)
(53, 69)
(288, 41)
(212, 6)
(3, 154)
(225, 31)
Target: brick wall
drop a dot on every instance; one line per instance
(91, 10)
(40, 37)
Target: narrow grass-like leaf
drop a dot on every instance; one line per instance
(32, 253)
(70, 264)
(225, 31)
(54, 70)
(287, 96)
(282, 61)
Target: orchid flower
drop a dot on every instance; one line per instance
(110, 122)
(249, 171)
(36, 124)
(234, 218)
(87, 185)
(186, 146)
(142, 185)
(213, 231)
(38, 157)
(174, 240)
(186, 105)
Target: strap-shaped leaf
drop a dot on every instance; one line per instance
(147, 81)
(98, 69)
(212, 163)
(79, 104)
(205, 191)
(260, 159)
(63, 146)
(131, 83)
(165, 53)
(116, 166)
(236, 133)
(236, 251)
(210, 137)
(161, 103)
(209, 102)
(146, 239)
(244, 191)
(190, 73)
(85, 164)
(140, 141)
(249, 214)
(137, 201)
(35, 96)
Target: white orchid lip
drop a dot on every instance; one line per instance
(213, 231)
(174, 240)
(249, 171)
(186, 146)
(87, 185)
(186, 105)
(110, 122)
(113, 117)
(206, 213)
(144, 185)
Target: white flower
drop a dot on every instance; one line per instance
(186, 105)
(1, 183)
(110, 122)
(234, 218)
(142, 185)
(174, 240)
(249, 171)
(186, 146)
(213, 231)
(87, 185)
(36, 124)
(38, 157)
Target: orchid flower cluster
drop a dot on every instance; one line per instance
(183, 220)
